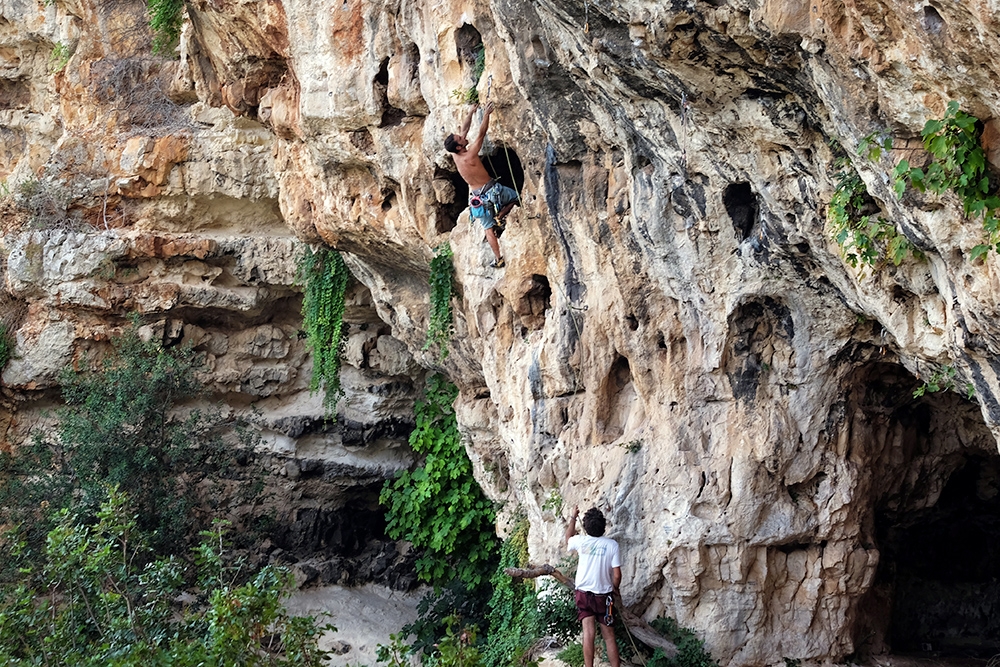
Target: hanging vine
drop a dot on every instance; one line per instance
(439, 329)
(165, 19)
(324, 276)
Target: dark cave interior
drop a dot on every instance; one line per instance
(936, 521)
(944, 565)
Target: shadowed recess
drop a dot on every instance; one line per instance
(934, 479)
(741, 204)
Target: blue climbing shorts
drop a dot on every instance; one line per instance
(486, 202)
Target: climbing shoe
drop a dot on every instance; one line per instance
(498, 263)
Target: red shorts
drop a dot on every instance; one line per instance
(594, 604)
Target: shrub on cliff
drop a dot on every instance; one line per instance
(440, 326)
(690, 650)
(6, 346)
(514, 621)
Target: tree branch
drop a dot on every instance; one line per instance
(638, 628)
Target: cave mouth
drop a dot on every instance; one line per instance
(448, 212)
(504, 165)
(742, 206)
(943, 566)
(934, 473)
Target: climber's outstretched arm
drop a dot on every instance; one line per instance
(477, 145)
(468, 121)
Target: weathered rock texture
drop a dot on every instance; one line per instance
(675, 339)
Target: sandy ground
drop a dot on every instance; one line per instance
(364, 617)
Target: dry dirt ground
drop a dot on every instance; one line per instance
(364, 616)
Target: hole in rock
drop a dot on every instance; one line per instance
(619, 399)
(383, 73)
(469, 44)
(389, 200)
(934, 475)
(760, 337)
(932, 21)
(390, 115)
(505, 166)
(342, 532)
(534, 302)
(14, 93)
(944, 564)
(447, 212)
(741, 204)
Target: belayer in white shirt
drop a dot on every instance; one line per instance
(597, 576)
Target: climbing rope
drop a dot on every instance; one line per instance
(635, 648)
(577, 375)
(684, 129)
(506, 152)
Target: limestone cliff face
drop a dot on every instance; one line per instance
(675, 338)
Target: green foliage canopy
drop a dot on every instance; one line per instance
(100, 599)
(121, 427)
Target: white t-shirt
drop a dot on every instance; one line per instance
(597, 556)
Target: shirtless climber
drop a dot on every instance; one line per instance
(598, 577)
(489, 201)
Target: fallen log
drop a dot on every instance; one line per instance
(639, 628)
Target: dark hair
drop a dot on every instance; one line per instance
(593, 522)
(450, 144)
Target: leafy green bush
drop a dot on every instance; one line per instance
(440, 327)
(101, 598)
(165, 19)
(944, 379)
(324, 276)
(438, 506)
(959, 165)
(690, 650)
(572, 655)
(59, 57)
(456, 649)
(557, 611)
(452, 649)
(863, 236)
(437, 606)
(514, 623)
(470, 95)
(120, 427)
